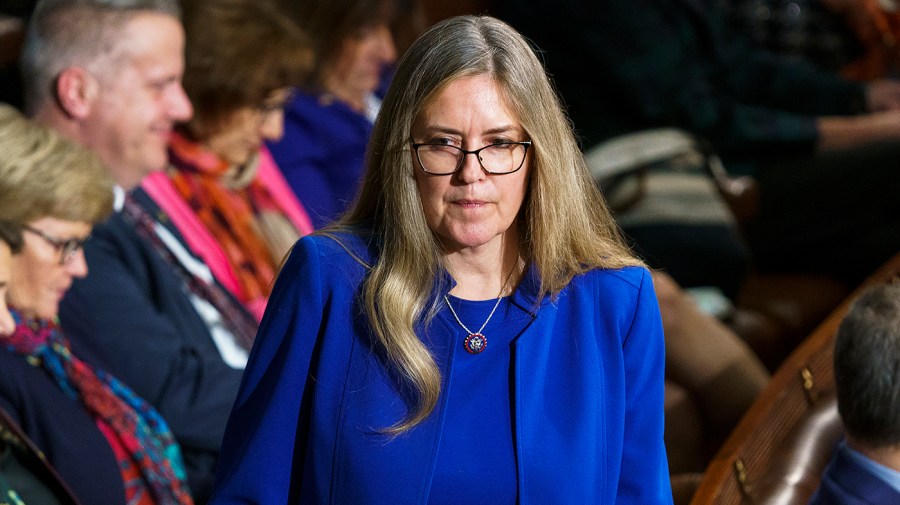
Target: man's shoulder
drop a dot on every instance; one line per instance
(848, 482)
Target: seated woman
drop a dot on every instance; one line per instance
(25, 475)
(329, 120)
(108, 445)
(222, 190)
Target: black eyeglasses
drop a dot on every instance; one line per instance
(67, 248)
(498, 159)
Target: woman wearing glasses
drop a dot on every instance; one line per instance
(107, 444)
(474, 330)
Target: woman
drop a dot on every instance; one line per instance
(329, 120)
(222, 190)
(25, 475)
(108, 445)
(474, 330)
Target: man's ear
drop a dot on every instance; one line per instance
(76, 91)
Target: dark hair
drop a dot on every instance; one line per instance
(330, 22)
(867, 367)
(237, 52)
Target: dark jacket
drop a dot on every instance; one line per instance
(133, 317)
(62, 429)
(846, 482)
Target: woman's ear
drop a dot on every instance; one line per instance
(76, 91)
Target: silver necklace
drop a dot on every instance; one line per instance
(476, 341)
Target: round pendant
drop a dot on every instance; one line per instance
(475, 343)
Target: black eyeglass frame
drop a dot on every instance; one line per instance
(462, 161)
(66, 248)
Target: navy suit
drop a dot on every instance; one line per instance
(846, 482)
(133, 317)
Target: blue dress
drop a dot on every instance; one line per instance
(572, 408)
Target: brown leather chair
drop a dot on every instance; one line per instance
(779, 450)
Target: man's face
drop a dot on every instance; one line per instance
(139, 99)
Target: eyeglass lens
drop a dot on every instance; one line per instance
(496, 158)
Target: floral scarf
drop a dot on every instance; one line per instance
(149, 458)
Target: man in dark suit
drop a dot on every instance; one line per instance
(866, 467)
(107, 74)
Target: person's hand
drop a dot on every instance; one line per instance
(843, 132)
(883, 94)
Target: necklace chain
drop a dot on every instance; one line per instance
(497, 304)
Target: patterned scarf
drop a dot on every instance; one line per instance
(237, 211)
(149, 458)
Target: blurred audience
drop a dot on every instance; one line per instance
(222, 190)
(108, 75)
(865, 469)
(107, 443)
(823, 149)
(329, 120)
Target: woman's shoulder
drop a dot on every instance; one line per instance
(631, 278)
(336, 249)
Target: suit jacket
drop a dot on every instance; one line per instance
(846, 482)
(133, 317)
(587, 390)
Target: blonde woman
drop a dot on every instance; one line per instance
(474, 331)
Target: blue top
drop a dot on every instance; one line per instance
(580, 419)
(322, 153)
(853, 479)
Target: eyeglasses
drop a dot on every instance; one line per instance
(497, 159)
(67, 248)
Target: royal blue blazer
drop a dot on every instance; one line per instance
(587, 388)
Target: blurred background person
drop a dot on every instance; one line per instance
(329, 120)
(221, 189)
(107, 443)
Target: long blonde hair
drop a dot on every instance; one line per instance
(565, 225)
